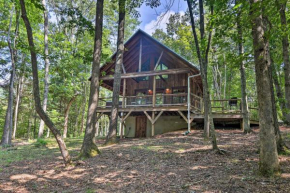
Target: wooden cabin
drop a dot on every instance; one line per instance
(155, 97)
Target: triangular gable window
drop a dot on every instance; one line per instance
(161, 66)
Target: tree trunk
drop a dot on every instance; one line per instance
(203, 62)
(34, 125)
(39, 110)
(268, 163)
(29, 128)
(18, 97)
(279, 92)
(97, 129)
(77, 121)
(281, 5)
(46, 60)
(8, 126)
(47, 134)
(112, 134)
(225, 83)
(66, 114)
(279, 140)
(245, 109)
(84, 108)
(89, 147)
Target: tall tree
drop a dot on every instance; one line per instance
(46, 60)
(89, 147)
(112, 134)
(281, 6)
(83, 107)
(18, 98)
(38, 107)
(279, 140)
(278, 88)
(7, 132)
(202, 49)
(268, 164)
(245, 109)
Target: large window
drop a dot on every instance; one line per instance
(144, 67)
(161, 66)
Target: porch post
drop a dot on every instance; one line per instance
(188, 104)
(121, 126)
(154, 91)
(124, 117)
(124, 93)
(153, 124)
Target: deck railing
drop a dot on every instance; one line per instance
(253, 110)
(226, 106)
(179, 99)
(234, 106)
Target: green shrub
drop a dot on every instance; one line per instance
(40, 143)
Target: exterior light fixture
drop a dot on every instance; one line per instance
(167, 91)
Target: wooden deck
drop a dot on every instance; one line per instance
(225, 110)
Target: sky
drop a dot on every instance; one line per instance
(150, 18)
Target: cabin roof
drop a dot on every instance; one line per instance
(141, 32)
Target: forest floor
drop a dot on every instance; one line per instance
(166, 163)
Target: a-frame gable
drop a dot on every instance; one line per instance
(134, 62)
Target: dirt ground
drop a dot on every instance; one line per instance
(166, 163)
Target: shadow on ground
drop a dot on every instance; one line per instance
(166, 163)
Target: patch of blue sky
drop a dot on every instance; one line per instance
(151, 19)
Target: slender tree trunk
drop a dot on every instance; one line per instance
(38, 107)
(47, 134)
(46, 60)
(112, 134)
(281, 5)
(77, 121)
(89, 147)
(245, 109)
(66, 114)
(29, 128)
(8, 126)
(34, 125)
(268, 164)
(83, 108)
(18, 98)
(279, 92)
(97, 129)
(225, 84)
(203, 62)
(279, 140)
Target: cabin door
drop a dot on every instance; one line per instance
(141, 123)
